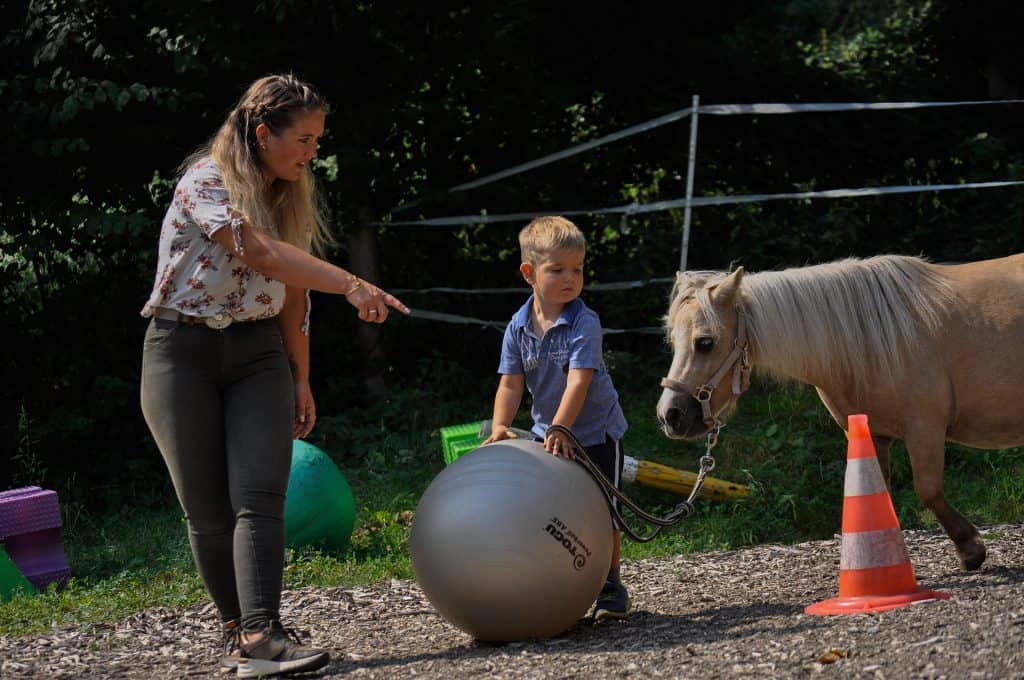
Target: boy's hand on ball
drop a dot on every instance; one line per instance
(559, 445)
(498, 433)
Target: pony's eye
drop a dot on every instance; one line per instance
(704, 344)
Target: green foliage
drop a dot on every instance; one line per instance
(870, 43)
(29, 470)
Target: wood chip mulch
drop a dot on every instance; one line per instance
(735, 614)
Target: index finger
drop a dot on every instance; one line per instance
(391, 301)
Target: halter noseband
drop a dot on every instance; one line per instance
(740, 378)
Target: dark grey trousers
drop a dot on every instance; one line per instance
(220, 405)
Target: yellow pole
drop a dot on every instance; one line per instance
(655, 475)
(665, 478)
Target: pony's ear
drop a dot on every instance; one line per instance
(726, 291)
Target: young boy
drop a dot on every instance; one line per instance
(552, 347)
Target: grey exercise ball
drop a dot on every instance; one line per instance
(510, 542)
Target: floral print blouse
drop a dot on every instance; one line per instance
(195, 275)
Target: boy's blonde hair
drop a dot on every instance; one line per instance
(544, 235)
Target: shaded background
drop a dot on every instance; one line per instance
(102, 100)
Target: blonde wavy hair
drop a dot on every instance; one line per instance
(277, 101)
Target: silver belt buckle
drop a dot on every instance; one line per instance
(218, 321)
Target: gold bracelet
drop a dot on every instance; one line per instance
(359, 284)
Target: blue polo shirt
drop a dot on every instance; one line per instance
(573, 342)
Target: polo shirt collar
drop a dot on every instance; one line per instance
(566, 318)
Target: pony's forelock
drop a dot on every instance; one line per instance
(696, 285)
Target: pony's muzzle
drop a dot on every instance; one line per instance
(680, 415)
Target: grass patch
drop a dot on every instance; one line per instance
(122, 564)
(781, 443)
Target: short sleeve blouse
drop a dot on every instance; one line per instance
(196, 275)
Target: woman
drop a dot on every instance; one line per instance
(225, 369)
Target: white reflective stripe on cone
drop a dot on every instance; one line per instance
(863, 477)
(870, 549)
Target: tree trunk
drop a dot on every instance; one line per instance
(364, 262)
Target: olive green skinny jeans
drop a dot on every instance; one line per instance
(220, 405)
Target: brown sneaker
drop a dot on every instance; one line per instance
(277, 652)
(232, 646)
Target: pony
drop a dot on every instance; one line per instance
(929, 352)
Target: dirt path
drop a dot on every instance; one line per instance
(727, 614)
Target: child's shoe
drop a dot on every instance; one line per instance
(279, 651)
(613, 602)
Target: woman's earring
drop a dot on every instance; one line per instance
(263, 146)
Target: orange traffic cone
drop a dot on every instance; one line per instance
(874, 570)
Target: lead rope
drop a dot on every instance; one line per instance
(681, 511)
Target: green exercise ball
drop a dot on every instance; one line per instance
(319, 510)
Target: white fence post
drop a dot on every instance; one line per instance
(685, 248)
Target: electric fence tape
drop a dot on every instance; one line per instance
(702, 201)
(658, 206)
(718, 110)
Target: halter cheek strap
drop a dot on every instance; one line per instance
(740, 377)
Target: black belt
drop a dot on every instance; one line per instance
(217, 321)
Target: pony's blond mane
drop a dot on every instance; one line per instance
(852, 321)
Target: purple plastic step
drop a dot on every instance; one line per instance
(43, 579)
(28, 509)
(39, 555)
(30, 527)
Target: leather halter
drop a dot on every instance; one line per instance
(740, 378)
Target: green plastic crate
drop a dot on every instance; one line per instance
(459, 439)
(462, 447)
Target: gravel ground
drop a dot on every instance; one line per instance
(729, 614)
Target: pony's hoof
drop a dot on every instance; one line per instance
(972, 555)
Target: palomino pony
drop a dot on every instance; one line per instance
(929, 352)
